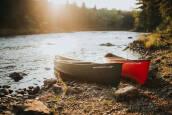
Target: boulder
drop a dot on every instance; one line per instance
(31, 107)
(49, 82)
(17, 76)
(126, 93)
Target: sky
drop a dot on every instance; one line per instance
(109, 4)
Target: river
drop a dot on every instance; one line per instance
(33, 54)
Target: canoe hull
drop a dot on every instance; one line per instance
(134, 69)
(109, 73)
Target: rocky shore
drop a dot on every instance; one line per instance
(57, 97)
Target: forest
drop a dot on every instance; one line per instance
(154, 16)
(41, 16)
(44, 16)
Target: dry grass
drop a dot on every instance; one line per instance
(153, 41)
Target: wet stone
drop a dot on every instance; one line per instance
(106, 44)
(20, 91)
(10, 91)
(36, 90)
(17, 76)
(30, 87)
(109, 55)
(6, 86)
(2, 94)
(5, 91)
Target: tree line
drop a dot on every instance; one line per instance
(41, 14)
(154, 16)
(151, 16)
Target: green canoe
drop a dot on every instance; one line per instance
(70, 69)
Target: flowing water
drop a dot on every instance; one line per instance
(33, 54)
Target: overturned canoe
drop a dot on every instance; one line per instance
(134, 69)
(108, 73)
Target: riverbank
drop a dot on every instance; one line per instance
(87, 98)
(34, 31)
(28, 31)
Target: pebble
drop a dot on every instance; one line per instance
(10, 91)
(19, 95)
(30, 87)
(20, 91)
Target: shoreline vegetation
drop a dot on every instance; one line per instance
(14, 32)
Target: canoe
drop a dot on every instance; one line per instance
(134, 69)
(70, 69)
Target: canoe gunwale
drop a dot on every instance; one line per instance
(118, 59)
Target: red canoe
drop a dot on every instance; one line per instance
(134, 69)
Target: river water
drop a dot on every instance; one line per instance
(33, 54)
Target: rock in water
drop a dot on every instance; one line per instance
(126, 93)
(109, 55)
(17, 76)
(31, 107)
(49, 82)
(130, 37)
(106, 44)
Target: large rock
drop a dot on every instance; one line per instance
(49, 82)
(17, 76)
(31, 107)
(126, 93)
